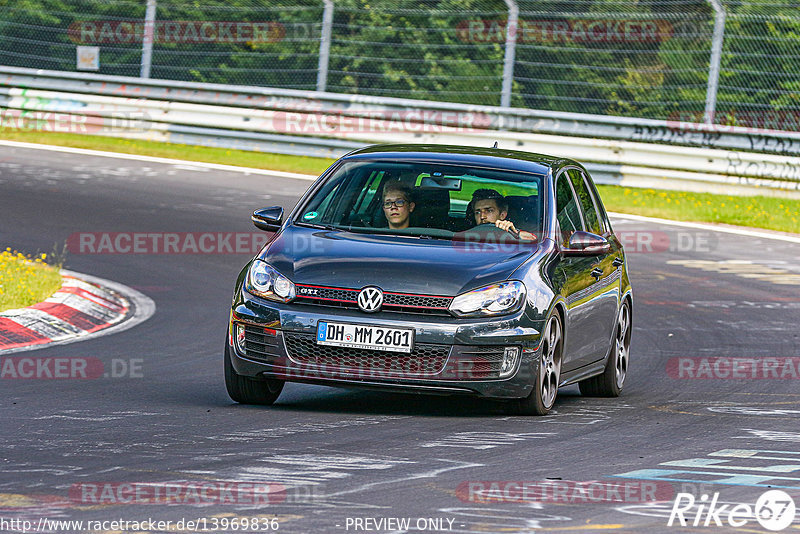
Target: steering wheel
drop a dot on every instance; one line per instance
(490, 226)
(485, 229)
(362, 220)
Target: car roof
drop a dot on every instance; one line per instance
(455, 154)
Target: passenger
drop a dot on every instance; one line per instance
(397, 205)
(490, 207)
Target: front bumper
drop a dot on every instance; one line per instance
(451, 356)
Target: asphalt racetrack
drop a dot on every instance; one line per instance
(711, 405)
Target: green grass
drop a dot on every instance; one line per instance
(771, 213)
(24, 280)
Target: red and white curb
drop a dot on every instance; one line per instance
(85, 307)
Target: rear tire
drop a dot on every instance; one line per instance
(548, 374)
(610, 383)
(246, 390)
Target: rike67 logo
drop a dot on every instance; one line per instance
(774, 510)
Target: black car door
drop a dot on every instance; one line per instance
(604, 269)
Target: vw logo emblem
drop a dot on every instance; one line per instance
(370, 299)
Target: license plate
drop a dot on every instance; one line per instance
(356, 336)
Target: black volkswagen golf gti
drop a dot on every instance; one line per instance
(436, 269)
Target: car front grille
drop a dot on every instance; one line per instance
(425, 360)
(347, 298)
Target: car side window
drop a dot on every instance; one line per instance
(567, 211)
(588, 208)
(601, 210)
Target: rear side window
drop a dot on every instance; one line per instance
(567, 211)
(588, 208)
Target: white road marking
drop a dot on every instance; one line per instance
(710, 227)
(152, 159)
(433, 473)
(747, 410)
(484, 440)
(771, 435)
(262, 434)
(584, 415)
(501, 520)
(293, 470)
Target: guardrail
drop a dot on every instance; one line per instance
(626, 151)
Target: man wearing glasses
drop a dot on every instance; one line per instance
(397, 205)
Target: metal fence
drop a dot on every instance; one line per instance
(311, 123)
(734, 62)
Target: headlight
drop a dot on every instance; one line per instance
(496, 299)
(264, 281)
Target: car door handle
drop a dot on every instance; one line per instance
(597, 272)
(617, 261)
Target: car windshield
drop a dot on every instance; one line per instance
(425, 200)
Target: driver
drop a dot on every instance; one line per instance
(397, 205)
(490, 207)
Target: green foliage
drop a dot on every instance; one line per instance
(453, 50)
(26, 280)
(773, 213)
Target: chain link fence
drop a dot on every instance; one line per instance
(646, 59)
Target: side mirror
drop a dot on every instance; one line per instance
(586, 244)
(268, 219)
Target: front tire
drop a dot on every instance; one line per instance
(246, 390)
(543, 396)
(610, 383)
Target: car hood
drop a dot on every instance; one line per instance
(393, 263)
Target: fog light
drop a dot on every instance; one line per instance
(240, 338)
(510, 356)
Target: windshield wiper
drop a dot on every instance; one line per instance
(320, 226)
(439, 237)
(365, 230)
